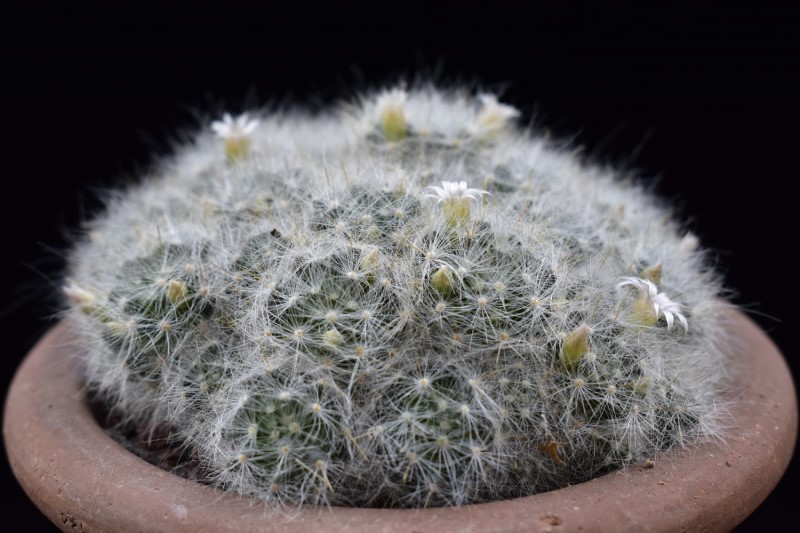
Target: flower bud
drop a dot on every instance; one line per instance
(176, 291)
(653, 272)
(442, 281)
(575, 346)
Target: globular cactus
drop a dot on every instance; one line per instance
(408, 303)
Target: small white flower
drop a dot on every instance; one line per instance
(236, 134)
(649, 295)
(455, 190)
(391, 102)
(492, 117)
(230, 128)
(662, 303)
(390, 108)
(456, 196)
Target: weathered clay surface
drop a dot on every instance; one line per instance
(84, 481)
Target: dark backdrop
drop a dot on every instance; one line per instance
(703, 101)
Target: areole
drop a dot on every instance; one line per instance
(85, 481)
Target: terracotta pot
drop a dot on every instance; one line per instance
(84, 481)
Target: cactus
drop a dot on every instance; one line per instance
(406, 303)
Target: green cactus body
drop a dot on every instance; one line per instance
(321, 322)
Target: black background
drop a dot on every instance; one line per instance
(703, 101)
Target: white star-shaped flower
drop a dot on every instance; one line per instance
(236, 134)
(455, 190)
(456, 196)
(649, 296)
(231, 128)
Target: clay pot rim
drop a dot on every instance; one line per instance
(81, 478)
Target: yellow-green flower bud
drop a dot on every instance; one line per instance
(176, 291)
(85, 300)
(371, 262)
(117, 329)
(332, 337)
(442, 281)
(653, 272)
(575, 346)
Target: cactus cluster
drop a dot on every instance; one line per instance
(406, 302)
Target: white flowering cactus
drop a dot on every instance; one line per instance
(408, 303)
